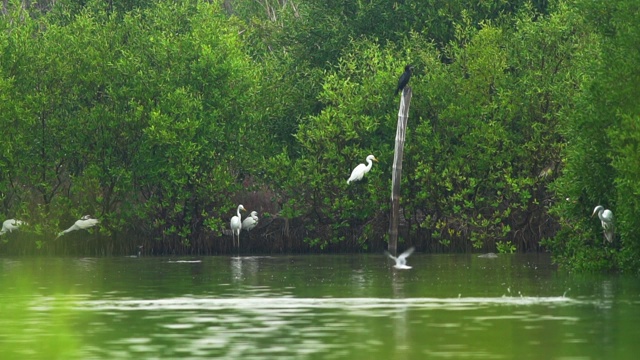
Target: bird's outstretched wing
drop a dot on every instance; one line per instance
(407, 252)
(391, 256)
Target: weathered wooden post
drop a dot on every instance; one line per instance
(403, 115)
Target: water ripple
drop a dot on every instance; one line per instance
(295, 304)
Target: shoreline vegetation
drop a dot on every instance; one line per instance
(159, 117)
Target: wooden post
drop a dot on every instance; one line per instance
(403, 116)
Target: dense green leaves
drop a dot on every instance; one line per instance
(601, 154)
(108, 110)
(159, 117)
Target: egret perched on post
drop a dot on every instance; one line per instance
(236, 225)
(606, 219)
(401, 260)
(84, 223)
(10, 225)
(361, 169)
(251, 221)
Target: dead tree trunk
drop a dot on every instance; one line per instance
(403, 116)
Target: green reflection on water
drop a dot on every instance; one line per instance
(37, 322)
(313, 307)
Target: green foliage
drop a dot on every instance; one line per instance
(151, 114)
(318, 31)
(153, 105)
(355, 122)
(601, 155)
(478, 168)
(505, 247)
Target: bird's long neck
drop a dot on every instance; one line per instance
(369, 164)
(600, 214)
(238, 212)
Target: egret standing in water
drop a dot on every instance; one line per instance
(84, 223)
(606, 219)
(139, 252)
(236, 225)
(10, 225)
(361, 169)
(401, 260)
(251, 221)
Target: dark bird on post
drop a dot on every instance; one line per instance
(404, 78)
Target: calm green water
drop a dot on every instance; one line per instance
(313, 307)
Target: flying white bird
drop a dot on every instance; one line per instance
(236, 225)
(251, 221)
(10, 225)
(606, 219)
(85, 222)
(361, 169)
(401, 260)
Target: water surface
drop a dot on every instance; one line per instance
(313, 307)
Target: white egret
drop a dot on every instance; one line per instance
(236, 225)
(10, 225)
(401, 260)
(139, 252)
(251, 221)
(488, 255)
(606, 219)
(361, 169)
(85, 222)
